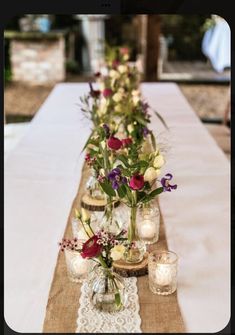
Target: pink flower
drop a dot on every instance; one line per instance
(107, 92)
(114, 143)
(137, 182)
(126, 142)
(124, 51)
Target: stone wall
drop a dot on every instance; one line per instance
(39, 61)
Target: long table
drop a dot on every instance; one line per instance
(41, 178)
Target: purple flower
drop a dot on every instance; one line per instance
(116, 178)
(165, 183)
(145, 131)
(107, 130)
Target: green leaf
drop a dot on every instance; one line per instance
(140, 195)
(122, 191)
(117, 299)
(124, 160)
(152, 195)
(107, 188)
(160, 118)
(153, 140)
(140, 164)
(139, 119)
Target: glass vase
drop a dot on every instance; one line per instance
(112, 219)
(136, 248)
(93, 187)
(107, 290)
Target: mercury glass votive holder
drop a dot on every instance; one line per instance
(162, 272)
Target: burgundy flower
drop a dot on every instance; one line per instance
(126, 142)
(167, 187)
(107, 92)
(91, 248)
(94, 93)
(107, 130)
(114, 143)
(115, 64)
(97, 74)
(137, 182)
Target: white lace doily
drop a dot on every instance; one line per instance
(90, 320)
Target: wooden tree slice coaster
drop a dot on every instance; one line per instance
(95, 205)
(132, 270)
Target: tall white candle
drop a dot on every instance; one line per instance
(147, 229)
(164, 274)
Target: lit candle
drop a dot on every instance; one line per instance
(79, 265)
(147, 229)
(163, 274)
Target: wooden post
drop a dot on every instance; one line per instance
(152, 47)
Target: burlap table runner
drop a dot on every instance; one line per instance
(159, 314)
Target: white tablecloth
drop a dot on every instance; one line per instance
(41, 178)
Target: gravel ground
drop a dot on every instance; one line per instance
(208, 101)
(21, 101)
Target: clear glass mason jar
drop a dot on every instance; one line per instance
(93, 187)
(148, 223)
(107, 289)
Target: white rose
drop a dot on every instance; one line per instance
(151, 174)
(117, 97)
(158, 161)
(117, 252)
(114, 74)
(122, 68)
(126, 57)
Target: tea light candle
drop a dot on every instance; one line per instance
(147, 229)
(162, 271)
(79, 265)
(163, 274)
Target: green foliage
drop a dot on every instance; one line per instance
(187, 34)
(7, 75)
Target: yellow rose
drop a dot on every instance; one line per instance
(158, 161)
(135, 92)
(151, 174)
(117, 252)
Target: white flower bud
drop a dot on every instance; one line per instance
(151, 174)
(117, 252)
(158, 161)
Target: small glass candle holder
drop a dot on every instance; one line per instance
(77, 267)
(162, 272)
(148, 223)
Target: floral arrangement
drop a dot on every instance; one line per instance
(101, 246)
(126, 172)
